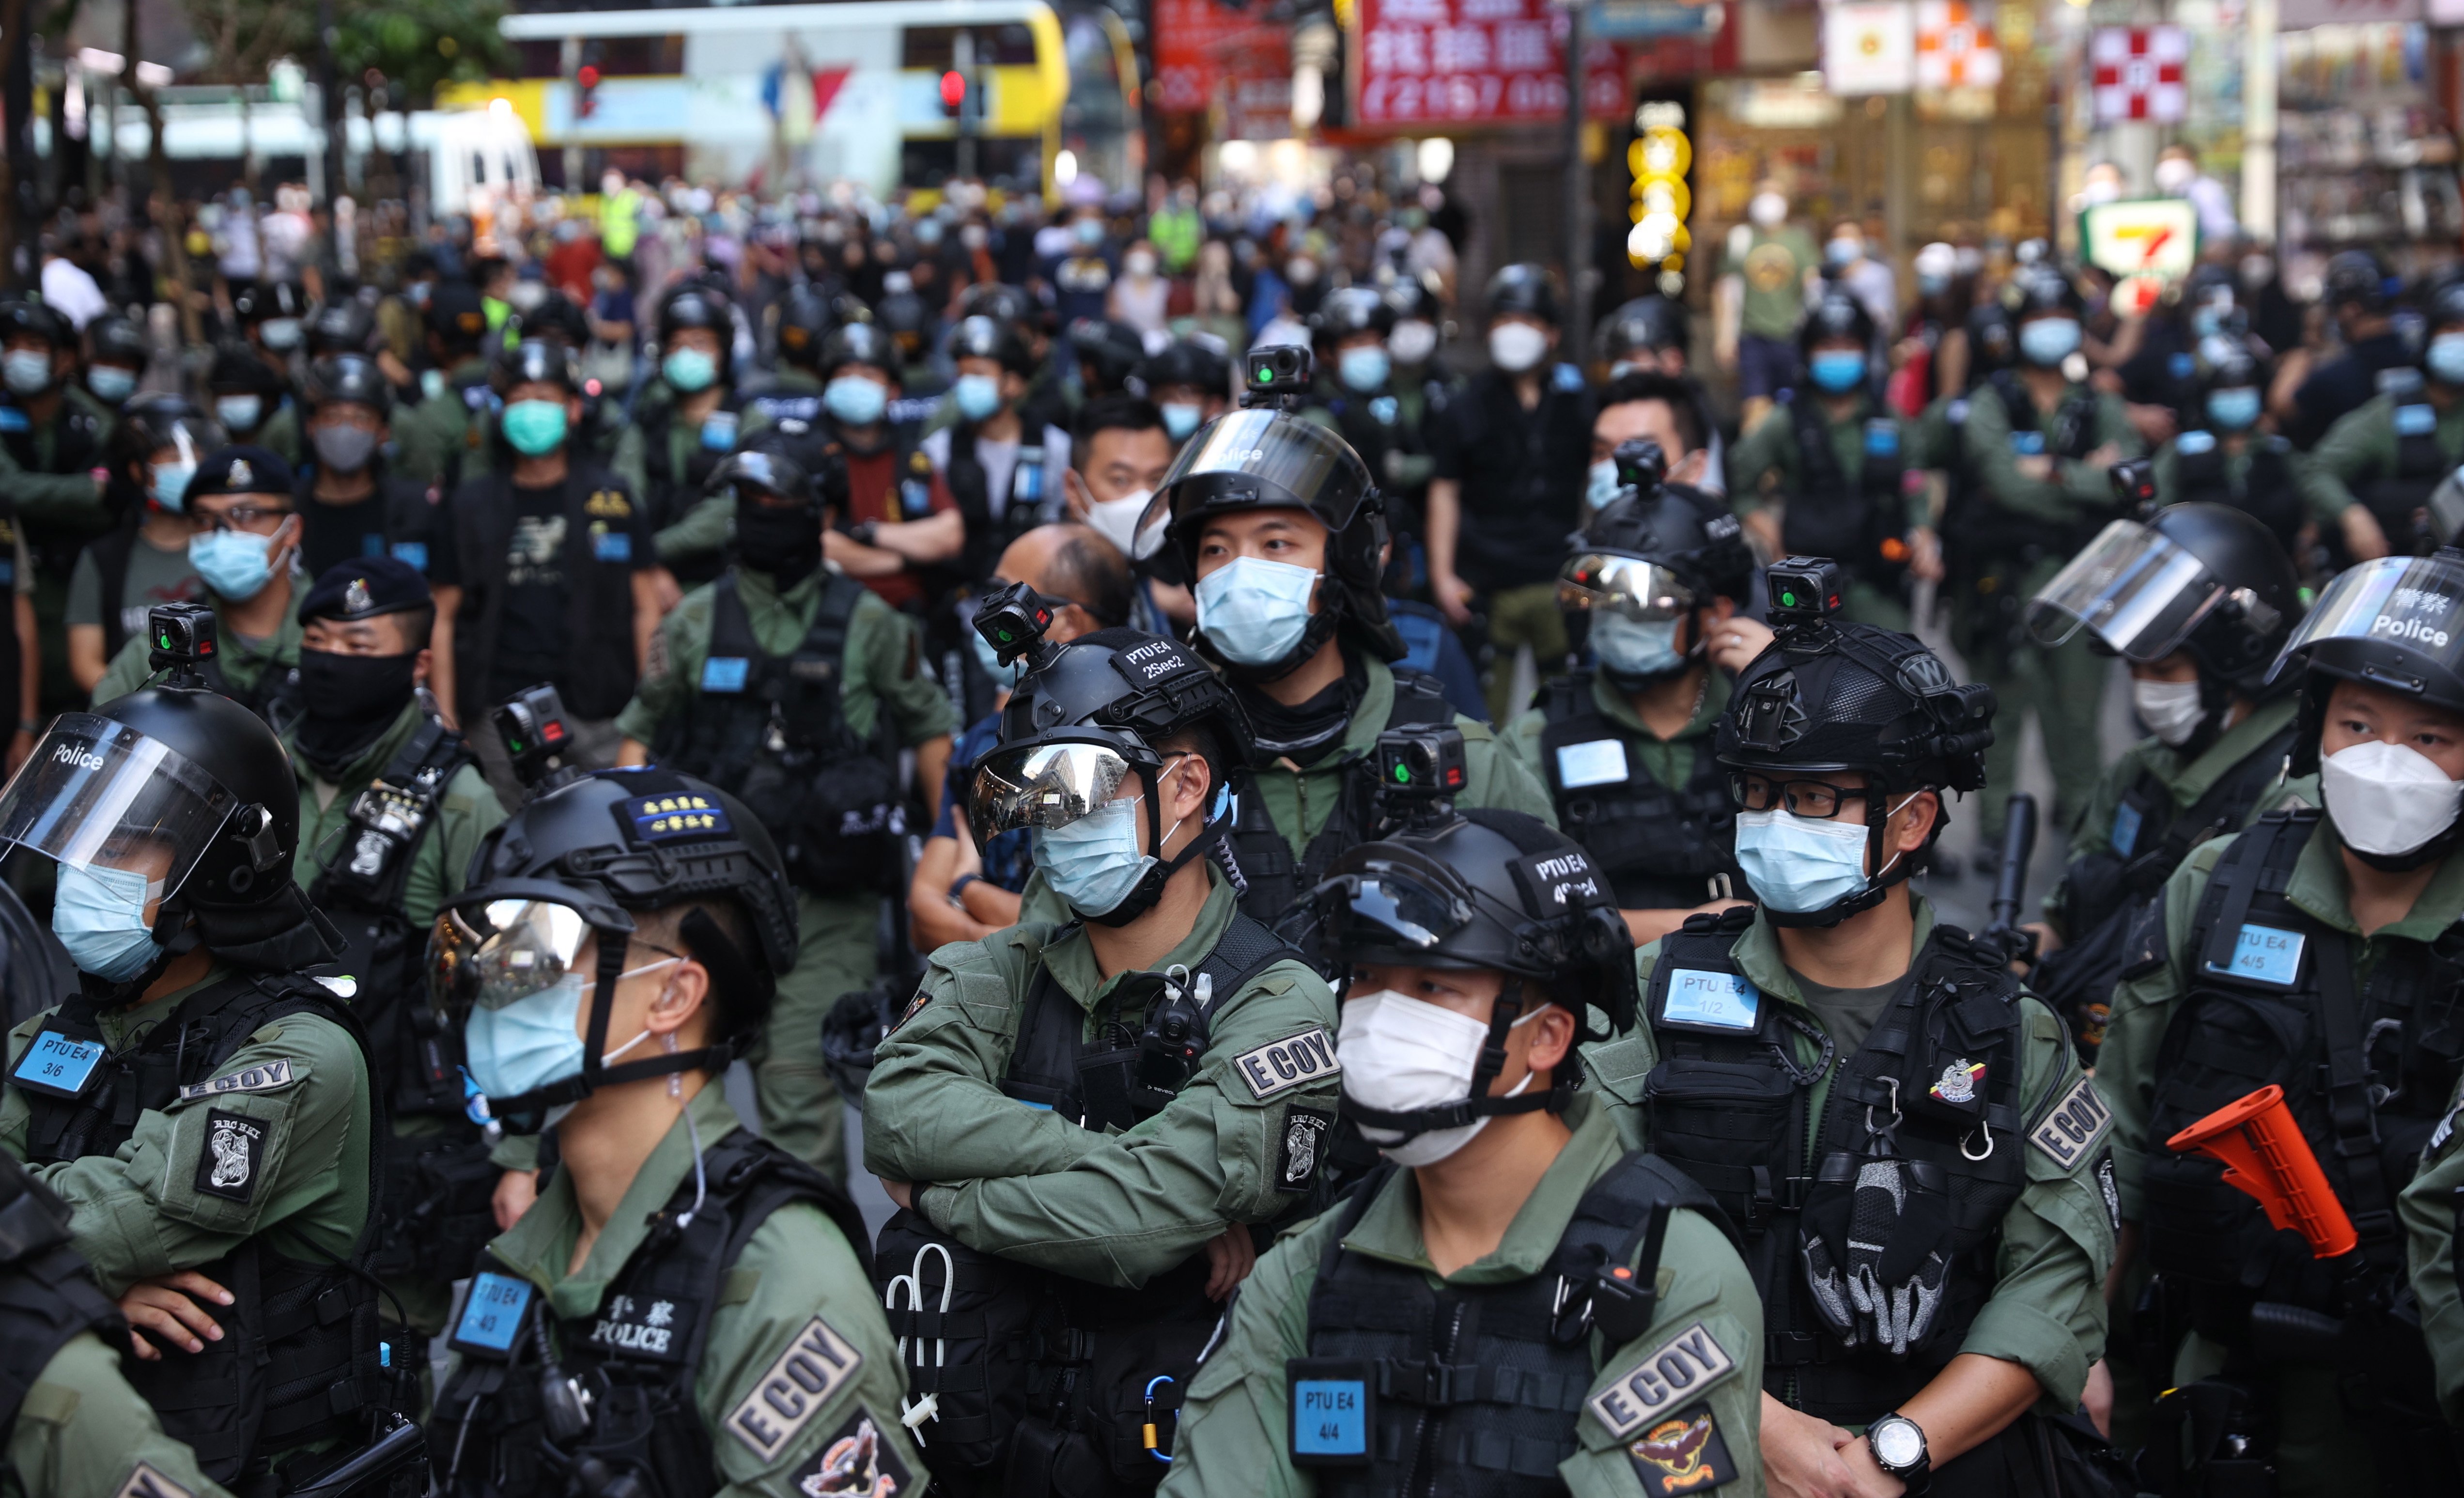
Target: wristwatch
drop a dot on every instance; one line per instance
(1899, 1446)
(863, 532)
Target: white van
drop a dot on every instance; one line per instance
(484, 154)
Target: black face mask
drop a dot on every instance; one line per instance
(785, 544)
(350, 701)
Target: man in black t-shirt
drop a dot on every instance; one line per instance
(543, 570)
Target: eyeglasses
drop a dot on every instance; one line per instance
(1803, 798)
(239, 517)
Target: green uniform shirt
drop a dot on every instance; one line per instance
(1668, 761)
(82, 1432)
(1301, 799)
(426, 435)
(2427, 1211)
(66, 501)
(243, 660)
(2076, 490)
(137, 1212)
(708, 523)
(2047, 1310)
(279, 435)
(1031, 1186)
(2318, 1447)
(2186, 781)
(794, 1270)
(465, 813)
(1770, 451)
(2237, 448)
(2362, 446)
(1234, 1426)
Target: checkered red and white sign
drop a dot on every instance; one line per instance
(1953, 51)
(2138, 73)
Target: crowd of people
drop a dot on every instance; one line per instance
(1353, 864)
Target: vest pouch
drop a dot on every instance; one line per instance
(1727, 1124)
(440, 1204)
(845, 833)
(965, 1323)
(215, 1399)
(2078, 979)
(1141, 1366)
(1828, 525)
(1874, 1239)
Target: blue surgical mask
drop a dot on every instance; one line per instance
(1006, 677)
(2444, 359)
(27, 371)
(1836, 371)
(1632, 647)
(1801, 865)
(979, 396)
(534, 427)
(1180, 420)
(2048, 340)
(170, 484)
(100, 916)
(1932, 285)
(1364, 370)
(1255, 611)
(1089, 231)
(280, 333)
(534, 1041)
(1601, 487)
(233, 563)
(239, 412)
(855, 400)
(111, 383)
(2233, 411)
(688, 369)
(1093, 863)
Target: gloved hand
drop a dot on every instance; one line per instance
(1874, 1256)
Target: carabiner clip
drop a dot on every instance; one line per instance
(1147, 1432)
(1893, 1083)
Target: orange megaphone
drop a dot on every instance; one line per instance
(2266, 1158)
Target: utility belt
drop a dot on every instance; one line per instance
(1024, 1383)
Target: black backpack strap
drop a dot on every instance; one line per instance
(2261, 859)
(1043, 1059)
(731, 628)
(1815, 456)
(418, 773)
(1612, 1246)
(766, 1177)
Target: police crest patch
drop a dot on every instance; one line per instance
(1683, 1454)
(234, 1152)
(1305, 1132)
(855, 1460)
(356, 598)
(1959, 1081)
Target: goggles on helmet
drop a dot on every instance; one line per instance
(1049, 785)
(1641, 590)
(496, 954)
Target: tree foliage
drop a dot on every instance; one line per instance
(414, 44)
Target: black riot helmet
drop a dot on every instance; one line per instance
(154, 421)
(275, 310)
(1262, 460)
(1108, 351)
(861, 344)
(1350, 310)
(2206, 579)
(1001, 302)
(989, 338)
(2358, 279)
(1412, 299)
(1991, 341)
(1835, 313)
(1524, 290)
(1087, 719)
(192, 794)
(21, 319)
(694, 307)
(535, 361)
(1184, 361)
(2237, 370)
(558, 318)
(350, 379)
(903, 316)
(341, 327)
(2445, 308)
(117, 341)
(1658, 552)
(763, 468)
(579, 860)
(1640, 329)
(804, 321)
(1490, 890)
(237, 370)
(1830, 696)
(2039, 288)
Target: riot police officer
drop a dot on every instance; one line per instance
(116, 354)
(789, 400)
(2226, 456)
(2311, 952)
(351, 504)
(1625, 747)
(2033, 445)
(2373, 472)
(1652, 335)
(687, 1309)
(52, 444)
(1836, 462)
(154, 450)
(1289, 608)
(689, 414)
(794, 687)
(1358, 396)
(2360, 295)
(1839, 1055)
(203, 1108)
(2197, 598)
(273, 323)
(440, 440)
(1005, 476)
(1191, 385)
(393, 805)
(1495, 1323)
(1158, 1009)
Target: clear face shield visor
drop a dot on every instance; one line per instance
(2138, 592)
(2413, 601)
(99, 793)
(1642, 591)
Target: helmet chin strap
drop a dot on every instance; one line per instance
(1505, 1016)
(1150, 887)
(520, 1110)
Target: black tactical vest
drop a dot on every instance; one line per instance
(1855, 521)
(2393, 495)
(300, 1359)
(635, 1356)
(1662, 848)
(1978, 530)
(772, 730)
(678, 461)
(1026, 506)
(1260, 856)
(1058, 1381)
(76, 446)
(2150, 836)
(1728, 1104)
(2266, 492)
(47, 1296)
(1473, 1391)
(2367, 1067)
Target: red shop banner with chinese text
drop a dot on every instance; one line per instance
(1202, 45)
(1449, 63)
